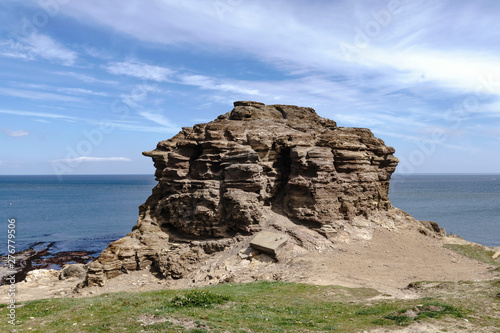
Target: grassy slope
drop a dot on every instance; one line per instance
(256, 307)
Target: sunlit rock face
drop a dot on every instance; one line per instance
(217, 180)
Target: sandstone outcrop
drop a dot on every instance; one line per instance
(219, 182)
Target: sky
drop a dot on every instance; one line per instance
(86, 86)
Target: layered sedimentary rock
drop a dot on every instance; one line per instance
(217, 180)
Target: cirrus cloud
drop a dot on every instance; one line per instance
(38, 46)
(139, 70)
(93, 159)
(16, 134)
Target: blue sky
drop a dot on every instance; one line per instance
(86, 86)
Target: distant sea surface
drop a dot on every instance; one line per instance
(76, 212)
(88, 212)
(466, 205)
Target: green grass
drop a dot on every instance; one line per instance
(201, 298)
(427, 310)
(255, 307)
(475, 252)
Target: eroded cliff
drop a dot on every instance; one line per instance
(223, 181)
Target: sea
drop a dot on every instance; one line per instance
(75, 212)
(87, 212)
(465, 205)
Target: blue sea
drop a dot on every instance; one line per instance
(88, 212)
(75, 212)
(465, 205)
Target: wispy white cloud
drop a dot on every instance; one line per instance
(423, 140)
(158, 118)
(11, 49)
(16, 134)
(406, 69)
(138, 127)
(97, 53)
(357, 120)
(85, 78)
(205, 82)
(139, 94)
(38, 46)
(80, 91)
(49, 49)
(38, 95)
(38, 115)
(65, 90)
(167, 127)
(489, 109)
(411, 46)
(26, 85)
(446, 70)
(92, 159)
(139, 70)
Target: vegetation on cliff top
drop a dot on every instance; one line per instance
(262, 307)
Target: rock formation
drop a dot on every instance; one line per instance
(219, 183)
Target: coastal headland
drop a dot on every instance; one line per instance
(275, 193)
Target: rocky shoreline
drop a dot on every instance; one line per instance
(30, 259)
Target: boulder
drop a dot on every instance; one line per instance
(432, 229)
(78, 271)
(268, 242)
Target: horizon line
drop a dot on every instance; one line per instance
(152, 174)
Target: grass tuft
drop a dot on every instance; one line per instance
(198, 298)
(428, 310)
(399, 319)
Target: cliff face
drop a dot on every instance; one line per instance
(215, 179)
(218, 181)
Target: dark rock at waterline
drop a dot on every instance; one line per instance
(22, 262)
